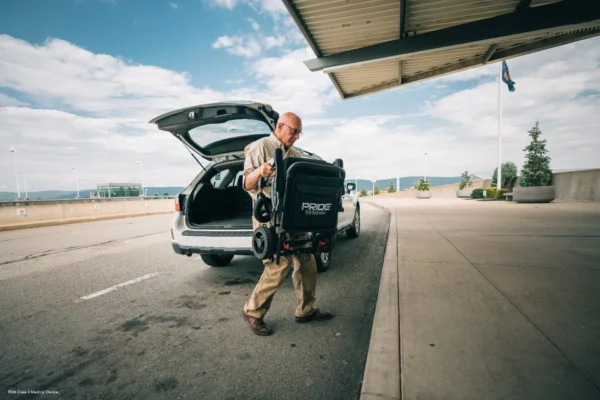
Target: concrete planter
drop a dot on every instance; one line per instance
(534, 194)
(423, 194)
(464, 194)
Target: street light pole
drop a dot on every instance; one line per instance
(14, 151)
(373, 194)
(142, 171)
(25, 181)
(425, 177)
(76, 181)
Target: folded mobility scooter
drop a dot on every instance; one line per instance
(302, 214)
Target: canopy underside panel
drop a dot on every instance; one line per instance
(367, 46)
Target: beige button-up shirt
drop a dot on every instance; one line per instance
(259, 152)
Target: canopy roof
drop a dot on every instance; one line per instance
(368, 46)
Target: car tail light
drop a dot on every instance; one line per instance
(180, 202)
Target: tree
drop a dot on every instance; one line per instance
(391, 188)
(465, 181)
(423, 185)
(166, 194)
(376, 191)
(509, 175)
(363, 192)
(536, 170)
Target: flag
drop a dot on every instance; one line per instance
(506, 77)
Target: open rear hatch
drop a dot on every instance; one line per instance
(219, 131)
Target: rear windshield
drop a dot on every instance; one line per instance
(207, 134)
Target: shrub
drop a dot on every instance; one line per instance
(509, 175)
(465, 181)
(536, 170)
(363, 192)
(376, 190)
(490, 192)
(391, 188)
(500, 193)
(423, 185)
(477, 194)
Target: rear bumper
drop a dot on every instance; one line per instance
(188, 250)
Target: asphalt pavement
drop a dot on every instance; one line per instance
(173, 329)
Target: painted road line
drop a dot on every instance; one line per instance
(120, 285)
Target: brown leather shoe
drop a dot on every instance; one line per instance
(318, 315)
(257, 325)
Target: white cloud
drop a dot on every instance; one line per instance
(59, 72)
(245, 46)
(270, 6)
(234, 81)
(62, 75)
(174, 6)
(229, 4)
(458, 131)
(272, 41)
(120, 97)
(248, 45)
(286, 81)
(284, 26)
(255, 25)
(50, 142)
(274, 8)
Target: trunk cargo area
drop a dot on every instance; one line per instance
(228, 208)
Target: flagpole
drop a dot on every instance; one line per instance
(499, 178)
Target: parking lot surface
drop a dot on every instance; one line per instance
(174, 329)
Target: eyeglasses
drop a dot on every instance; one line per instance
(294, 130)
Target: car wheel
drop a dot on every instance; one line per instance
(217, 260)
(354, 230)
(323, 260)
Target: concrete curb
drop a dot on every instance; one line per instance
(381, 379)
(39, 224)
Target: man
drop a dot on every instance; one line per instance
(256, 166)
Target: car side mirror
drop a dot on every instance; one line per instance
(350, 187)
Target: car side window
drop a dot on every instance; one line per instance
(237, 180)
(216, 181)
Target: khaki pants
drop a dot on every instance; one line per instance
(273, 276)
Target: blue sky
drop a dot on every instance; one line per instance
(79, 80)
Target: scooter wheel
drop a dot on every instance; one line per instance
(263, 209)
(263, 243)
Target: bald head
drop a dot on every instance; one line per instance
(289, 129)
(290, 118)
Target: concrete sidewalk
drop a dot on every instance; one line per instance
(494, 300)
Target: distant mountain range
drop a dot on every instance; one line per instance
(70, 194)
(406, 182)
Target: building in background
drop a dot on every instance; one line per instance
(109, 190)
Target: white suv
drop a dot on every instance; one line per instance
(213, 215)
